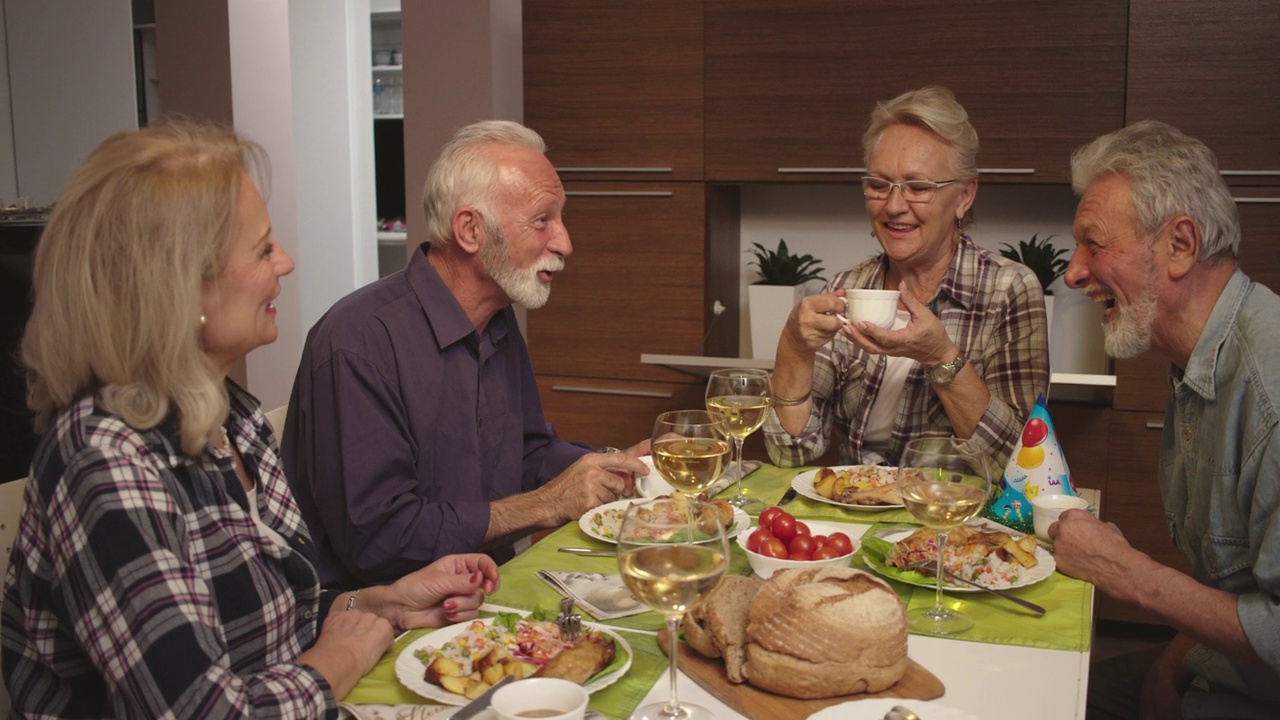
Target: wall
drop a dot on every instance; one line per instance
(830, 222)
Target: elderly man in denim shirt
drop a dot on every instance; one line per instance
(1156, 236)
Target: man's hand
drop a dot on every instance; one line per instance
(1166, 681)
(1085, 547)
(595, 479)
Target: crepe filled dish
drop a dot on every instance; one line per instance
(859, 485)
(992, 559)
(483, 653)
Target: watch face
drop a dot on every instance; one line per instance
(942, 375)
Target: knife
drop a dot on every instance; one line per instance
(590, 552)
(475, 707)
(787, 496)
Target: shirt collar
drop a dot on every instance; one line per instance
(1204, 358)
(448, 321)
(961, 280)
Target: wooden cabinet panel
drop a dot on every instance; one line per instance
(1213, 70)
(791, 85)
(612, 412)
(1083, 432)
(635, 283)
(616, 85)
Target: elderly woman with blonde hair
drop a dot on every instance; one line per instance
(968, 352)
(162, 568)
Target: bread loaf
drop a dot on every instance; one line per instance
(824, 632)
(717, 627)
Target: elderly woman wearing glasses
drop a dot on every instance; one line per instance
(968, 352)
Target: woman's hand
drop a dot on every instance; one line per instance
(924, 339)
(350, 643)
(813, 323)
(447, 591)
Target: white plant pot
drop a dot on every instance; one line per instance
(1048, 313)
(769, 306)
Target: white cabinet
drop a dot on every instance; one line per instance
(388, 134)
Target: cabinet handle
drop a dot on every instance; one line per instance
(1255, 200)
(822, 170)
(1249, 173)
(618, 193)
(611, 391)
(1006, 171)
(1155, 426)
(613, 169)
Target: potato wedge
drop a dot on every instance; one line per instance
(1024, 558)
(456, 685)
(824, 482)
(475, 689)
(440, 668)
(520, 669)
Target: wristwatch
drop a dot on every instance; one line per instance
(946, 372)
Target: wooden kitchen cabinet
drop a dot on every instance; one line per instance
(616, 85)
(790, 85)
(613, 412)
(1213, 70)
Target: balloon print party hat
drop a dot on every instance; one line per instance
(1036, 467)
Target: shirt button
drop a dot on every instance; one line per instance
(1186, 433)
(307, 614)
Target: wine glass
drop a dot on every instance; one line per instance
(943, 482)
(742, 396)
(672, 553)
(689, 448)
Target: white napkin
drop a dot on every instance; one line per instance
(602, 595)
(396, 712)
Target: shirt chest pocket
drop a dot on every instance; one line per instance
(1222, 531)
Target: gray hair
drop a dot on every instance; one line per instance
(1169, 174)
(935, 109)
(466, 174)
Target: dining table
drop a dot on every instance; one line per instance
(1012, 664)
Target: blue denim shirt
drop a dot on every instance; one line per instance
(1220, 460)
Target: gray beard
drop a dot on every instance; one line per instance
(520, 284)
(1130, 334)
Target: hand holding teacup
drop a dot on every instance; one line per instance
(1047, 508)
(877, 307)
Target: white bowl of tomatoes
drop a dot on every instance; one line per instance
(775, 543)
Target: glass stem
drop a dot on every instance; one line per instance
(737, 453)
(673, 634)
(941, 535)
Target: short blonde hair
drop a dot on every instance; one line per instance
(467, 174)
(933, 108)
(134, 235)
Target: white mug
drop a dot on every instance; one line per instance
(1045, 510)
(548, 698)
(878, 307)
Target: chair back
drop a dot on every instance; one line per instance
(276, 418)
(10, 512)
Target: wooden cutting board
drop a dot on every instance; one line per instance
(753, 702)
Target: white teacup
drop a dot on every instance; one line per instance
(547, 698)
(1045, 510)
(878, 307)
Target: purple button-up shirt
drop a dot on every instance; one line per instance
(405, 423)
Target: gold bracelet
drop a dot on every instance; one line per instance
(788, 402)
(351, 601)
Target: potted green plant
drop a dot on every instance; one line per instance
(781, 285)
(1045, 261)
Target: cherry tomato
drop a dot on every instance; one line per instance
(801, 544)
(839, 542)
(766, 517)
(802, 529)
(801, 556)
(826, 552)
(784, 527)
(757, 537)
(773, 548)
(819, 541)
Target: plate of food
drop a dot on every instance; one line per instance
(604, 522)
(869, 488)
(983, 551)
(454, 664)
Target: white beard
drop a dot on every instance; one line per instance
(1129, 335)
(520, 284)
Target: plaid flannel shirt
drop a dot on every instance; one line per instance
(992, 309)
(140, 586)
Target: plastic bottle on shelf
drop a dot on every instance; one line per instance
(379, 97)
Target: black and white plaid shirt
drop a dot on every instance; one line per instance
(140, 585)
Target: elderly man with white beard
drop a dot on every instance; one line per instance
(415, 429)
(1156, 237)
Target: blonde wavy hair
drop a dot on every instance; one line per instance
(134, 235)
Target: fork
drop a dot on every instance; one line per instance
(569, 622)
(932, 569)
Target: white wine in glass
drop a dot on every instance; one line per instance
(943, 483)
(742, 396)
(689, 449)
(671, 555)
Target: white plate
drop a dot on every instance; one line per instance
(1044, 567)
(875, 709)
(410, 670)
(741, 520)
(803, 484)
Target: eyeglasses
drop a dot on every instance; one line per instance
(913, 191)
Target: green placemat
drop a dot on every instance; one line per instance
(380, 686)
